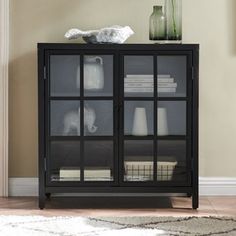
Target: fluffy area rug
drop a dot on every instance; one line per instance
(115, 226)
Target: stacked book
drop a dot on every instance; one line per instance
(90, 174)
(145, 83)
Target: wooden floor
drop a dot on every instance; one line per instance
(181, 206)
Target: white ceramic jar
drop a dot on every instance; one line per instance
(93, 73)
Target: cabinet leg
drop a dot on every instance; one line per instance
(41, 202)
(48, 195)
(195, 201)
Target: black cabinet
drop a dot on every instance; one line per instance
(118, 118)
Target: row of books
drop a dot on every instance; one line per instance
(90, 174)
(145, 83)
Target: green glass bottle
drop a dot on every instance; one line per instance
(173, 20)
(157, 24)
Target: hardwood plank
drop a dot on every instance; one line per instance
(181, 207)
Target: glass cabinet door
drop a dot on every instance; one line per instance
(156, 120)
(81, 144)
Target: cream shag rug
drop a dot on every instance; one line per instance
(115, 226)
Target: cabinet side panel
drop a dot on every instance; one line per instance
(41, 123)
(195, 127)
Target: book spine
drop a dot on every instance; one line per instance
(138, 85)
(167, 85)
(166, 90)
(138, 80)
(91, 175)
(147, 76)
(148, 80)
(138, 90)
(165, 80)
(149, 90)
(150, 85)
(138, 76)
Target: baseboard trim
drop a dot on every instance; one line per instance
(23, 187)
(217, 186)
(208, 186)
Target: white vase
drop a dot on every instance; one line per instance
(140, 122)
(162, 126)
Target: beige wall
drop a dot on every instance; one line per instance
(212, 23)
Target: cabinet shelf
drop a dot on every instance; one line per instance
(158, 98)
(78, 138)
(79, 98)
(151, 137)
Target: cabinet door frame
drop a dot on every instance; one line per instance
(81, 99)
(189, 115)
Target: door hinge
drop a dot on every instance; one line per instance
(192, 73)
(45, 164)
(44, 73)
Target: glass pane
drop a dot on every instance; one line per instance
(138, 160)
(172, 76)
(65, 118)
(98, 161)
(138, 76)
(64, 161)
(138, 118)
(171, 118)
(65, 75)
(98, 118)
(98, 75)
(171, 164)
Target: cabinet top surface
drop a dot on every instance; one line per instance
(80, 46)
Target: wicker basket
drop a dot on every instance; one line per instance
(143, 170)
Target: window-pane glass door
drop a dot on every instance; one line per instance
(156, 143)
(81, 118)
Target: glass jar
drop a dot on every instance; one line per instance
(173, 19)
(157, 24)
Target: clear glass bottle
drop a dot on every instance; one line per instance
(173, 20)
(157, 24)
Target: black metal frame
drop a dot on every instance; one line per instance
(190, 187)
